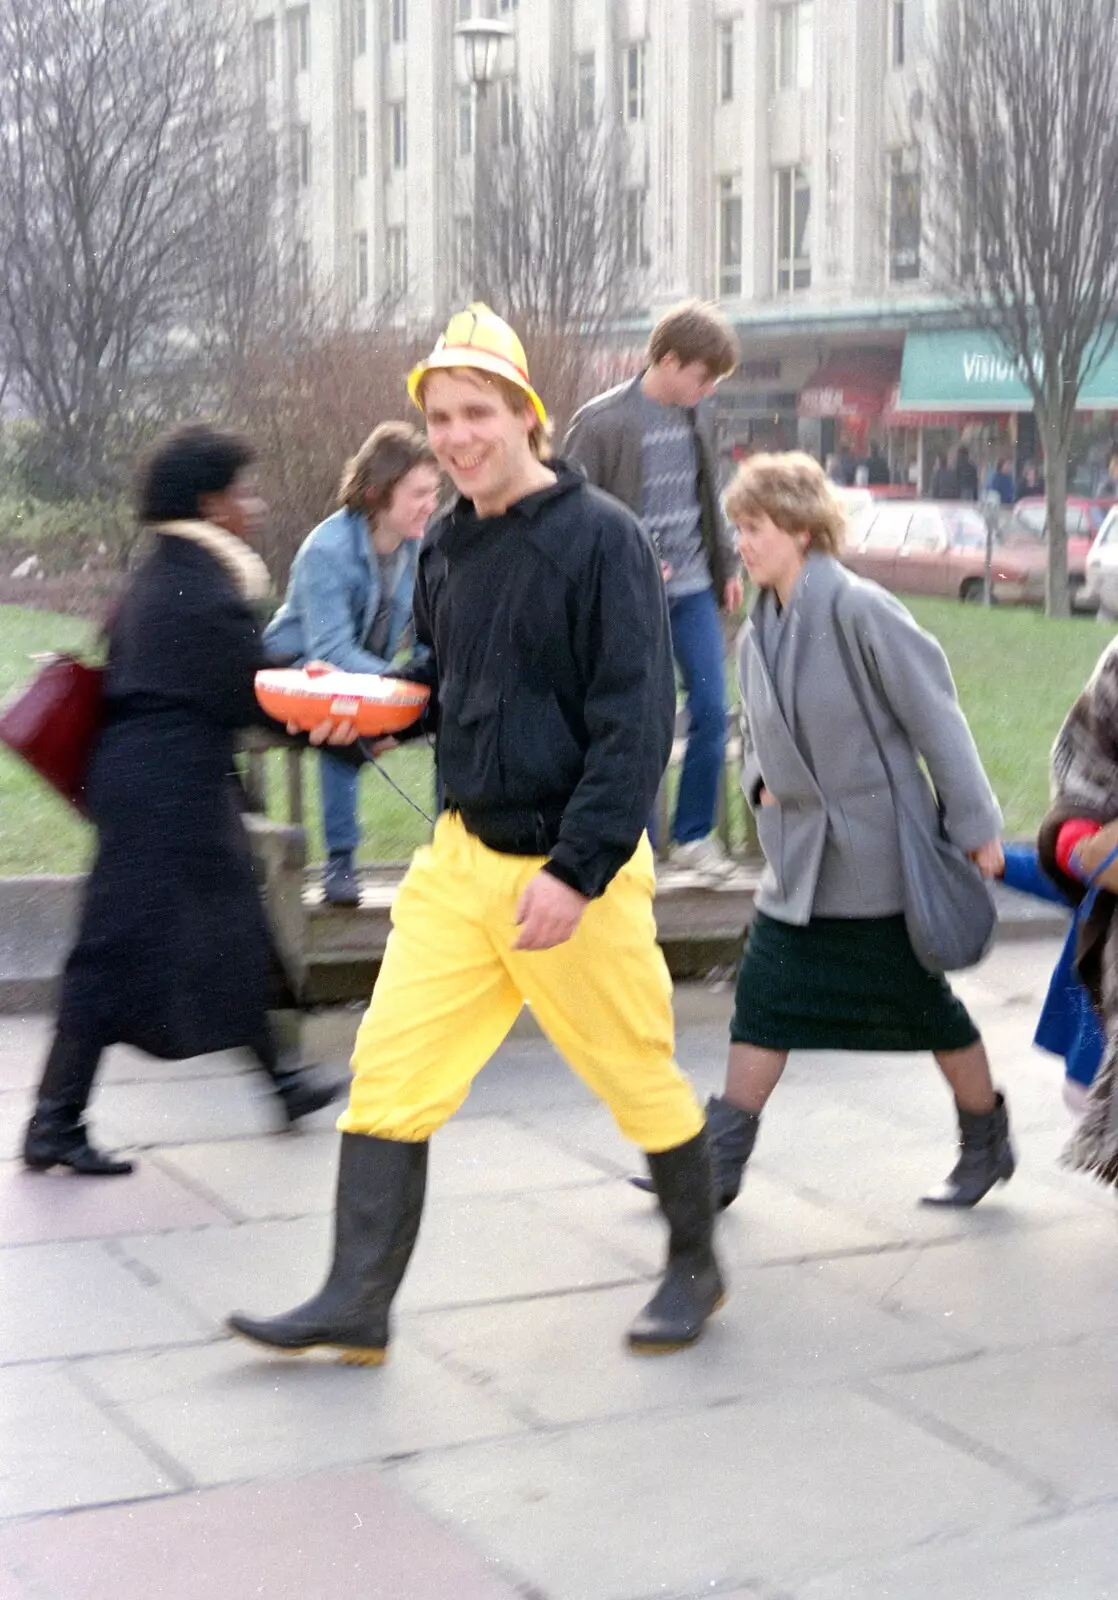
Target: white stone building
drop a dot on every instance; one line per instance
(774, 166)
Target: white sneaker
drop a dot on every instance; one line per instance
(705, 858)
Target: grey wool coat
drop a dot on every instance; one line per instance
(830, 838)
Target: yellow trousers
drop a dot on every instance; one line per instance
(452, 984)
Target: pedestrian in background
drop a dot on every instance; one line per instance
(966, 474)
(174, 954)
(650, 443)
(1000, 481)
(349, 603)
(945, 483)
(828, 964)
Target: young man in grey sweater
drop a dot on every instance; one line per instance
(649, 442)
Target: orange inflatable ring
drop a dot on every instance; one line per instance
(377, 705)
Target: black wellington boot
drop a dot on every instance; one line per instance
(381, 1183)
(298, 1090)
(56, 1135)
(691, 1288)
(731, 1134)
(985, 1158)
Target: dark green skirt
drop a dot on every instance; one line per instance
(842, 984)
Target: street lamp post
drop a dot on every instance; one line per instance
(481, 41)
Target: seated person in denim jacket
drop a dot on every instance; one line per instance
(349, 601)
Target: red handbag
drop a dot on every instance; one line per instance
(54, 721)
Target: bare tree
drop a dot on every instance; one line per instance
(111, 114)
(559, 242)
(1022, 226)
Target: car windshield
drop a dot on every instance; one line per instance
(966, 530)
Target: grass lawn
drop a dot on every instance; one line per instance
(1017, 674)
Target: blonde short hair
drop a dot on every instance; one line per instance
(793, 490)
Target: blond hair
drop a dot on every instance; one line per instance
(793, 491)
(514, 397)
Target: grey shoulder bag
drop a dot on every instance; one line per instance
(948, 909)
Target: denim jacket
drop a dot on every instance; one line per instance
(332, 598)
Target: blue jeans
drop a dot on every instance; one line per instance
(697, 646)
(338, 782)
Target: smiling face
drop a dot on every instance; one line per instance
(240, 509)
(479, 441)
(413, 504)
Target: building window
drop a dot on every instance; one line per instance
(509, 5)
(264, 52)
(794, 44)
(508, 111)
(299, 37)
(301, 268)
(904, 214)
(399, 21)
(633, 229)
(399, 139)
(587, 92)
(465, 10)
(463, 256)
(896, 32)
(464, 123)
(634, 60)
(303, 155)
(726, 62)
(361, 266)
(361, 144)
(793, 223)
(729, 234)
(360, 28)
(397, 261)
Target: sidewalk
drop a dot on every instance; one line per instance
(894, 1404)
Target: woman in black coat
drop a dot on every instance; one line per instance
(174, 955)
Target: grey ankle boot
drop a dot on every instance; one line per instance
(731, 1134)
(985, 1158)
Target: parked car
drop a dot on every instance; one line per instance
(939, 547)
(1085, 517)
(1101, 587)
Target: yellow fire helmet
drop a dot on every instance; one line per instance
(479, 338)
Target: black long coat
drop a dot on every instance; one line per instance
(173, 954)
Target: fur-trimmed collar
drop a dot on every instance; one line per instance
(243, 565)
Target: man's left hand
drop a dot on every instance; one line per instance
(547, 913)
(732, 596)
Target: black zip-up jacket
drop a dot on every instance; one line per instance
(551, 675)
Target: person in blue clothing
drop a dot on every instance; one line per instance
(1069, 1026)
(349, 601)
(1000, 481)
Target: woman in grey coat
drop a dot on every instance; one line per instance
(829, 965)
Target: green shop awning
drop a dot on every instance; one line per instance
(968, 370)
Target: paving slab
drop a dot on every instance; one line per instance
(36, 1207)
(1025, 1286)
(61, 1450)
(1056, 1558)
(565, 1361)
(767, 1223)
(721, 1495)
(228, 1410)
(328, 1536)
(77, 1299)
(1035, 1406)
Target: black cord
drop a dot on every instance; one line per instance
(366, 751)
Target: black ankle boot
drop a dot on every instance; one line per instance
(985, 1158)
(280, 1053)
(381, 1184)
(340, 883)
(691, 1288)
(56, 1135)
(731, 1134)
